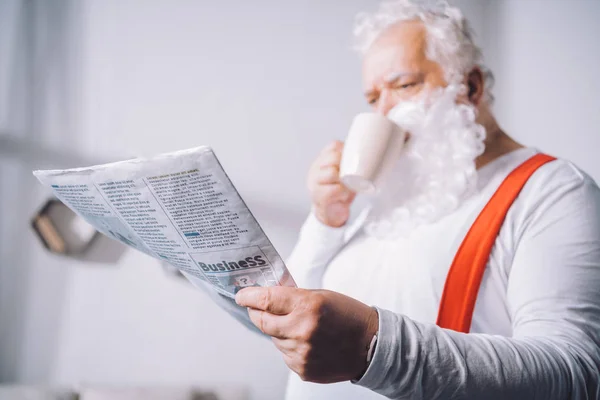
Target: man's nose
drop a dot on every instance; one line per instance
(385, 103)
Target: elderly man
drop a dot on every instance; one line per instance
(381, 307)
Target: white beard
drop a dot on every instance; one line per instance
(436, 171)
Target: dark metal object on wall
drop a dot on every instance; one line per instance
(61, 230)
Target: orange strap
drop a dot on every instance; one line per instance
(464, 277)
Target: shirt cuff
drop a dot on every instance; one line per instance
(315, 229)
(387, 345)
(317, 245)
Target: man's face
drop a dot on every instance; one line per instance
(396, 69)
(436, 170)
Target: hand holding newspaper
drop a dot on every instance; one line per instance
(180, 208)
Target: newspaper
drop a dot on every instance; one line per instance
(180, 208)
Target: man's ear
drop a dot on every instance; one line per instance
(476, 86)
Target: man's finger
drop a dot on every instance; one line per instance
(286, 346)
(333, 192)
(335, 145)
(269, 324)
(331, 158)
(328, 175)
(278, 300)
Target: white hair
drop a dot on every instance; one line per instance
(449, 37)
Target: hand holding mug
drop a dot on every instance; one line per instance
(372, 146)
(330, 198)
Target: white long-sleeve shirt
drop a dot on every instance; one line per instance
(535, 332)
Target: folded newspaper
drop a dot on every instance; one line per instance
(180, 208)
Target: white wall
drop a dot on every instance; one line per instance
(34, 105)
(545, 54)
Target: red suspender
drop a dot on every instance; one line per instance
(464, 277)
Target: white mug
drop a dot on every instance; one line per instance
(372, 146)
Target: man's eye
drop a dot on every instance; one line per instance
(372, 101)
(407, 85)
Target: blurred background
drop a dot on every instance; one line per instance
(267, 84)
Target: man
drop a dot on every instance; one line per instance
(370, 290)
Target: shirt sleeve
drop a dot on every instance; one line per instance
(553, 298)
(316, 246)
